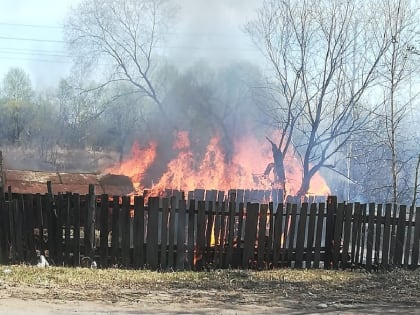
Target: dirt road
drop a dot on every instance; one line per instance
(16, 306)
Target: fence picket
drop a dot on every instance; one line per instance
(125, 229)
(221, 247)
(311, 236)
(291, 235)
(251, 222)
(240, 224)
(386, 236)
(262, 235)
(378, 231)
(318, 238)
(190, 240)
(171, 234)
(269, 247)
(76, 235)
(4, 231)
(115, 240)
(138, 233)
(201, 236)
(301, 233)
(363, 233)
(277, 237)
(370, 235)
(348, 212)
(217, 227)
(90, 223)
(209, 232)
(67, 219)
(152, 233)
(400, 236)
(230, 234)
(29, 225)
(180, 244)
(60, 212)
(416, 241)
(329, 231)
(104, 231)
(164, 233)
(407, 252)
(338, 237)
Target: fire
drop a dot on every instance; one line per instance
(214, 171)
(135, 167)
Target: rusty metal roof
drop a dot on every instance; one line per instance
(31, 182)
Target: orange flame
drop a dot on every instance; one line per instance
(135, 167)
(244, 171)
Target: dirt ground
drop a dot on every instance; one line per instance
(30, 290)
(165, 303)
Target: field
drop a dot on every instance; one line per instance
(266, 291)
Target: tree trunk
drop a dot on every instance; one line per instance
(304, 187)
(278, 167)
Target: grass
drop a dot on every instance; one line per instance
(131, 285)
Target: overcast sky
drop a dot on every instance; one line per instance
(31, 35)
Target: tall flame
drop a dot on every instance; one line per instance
(135, 167)
(214, 171)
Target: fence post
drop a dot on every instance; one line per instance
(90, 224)
(76, 241)
(329, 230)
(104, 231)
(416, 240)
(3, 217)
(51, 223)
(2, 177)
(138, 259)
(180, 242)
(3, 231)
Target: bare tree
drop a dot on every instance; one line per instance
(398, 66)
(383, 157)
(122, 36)
(324, 58)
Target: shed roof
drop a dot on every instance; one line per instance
(32, 182)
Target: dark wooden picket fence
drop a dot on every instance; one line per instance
(216, 232)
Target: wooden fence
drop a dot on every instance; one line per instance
(174, 233)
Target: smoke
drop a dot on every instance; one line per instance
(205, 102)
(213, 32)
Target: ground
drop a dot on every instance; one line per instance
(25, 289)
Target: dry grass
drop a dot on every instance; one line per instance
(305, 286)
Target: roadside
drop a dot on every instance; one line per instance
(25, 289)
(15, 306)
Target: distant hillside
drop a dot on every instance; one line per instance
(61, 160)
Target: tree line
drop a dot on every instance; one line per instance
(339, 82)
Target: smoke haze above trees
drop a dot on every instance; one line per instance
(323, 87)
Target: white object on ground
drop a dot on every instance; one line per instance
(42, 262)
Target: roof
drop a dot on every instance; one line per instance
(32, 182)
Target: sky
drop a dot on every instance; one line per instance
(31, 36)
